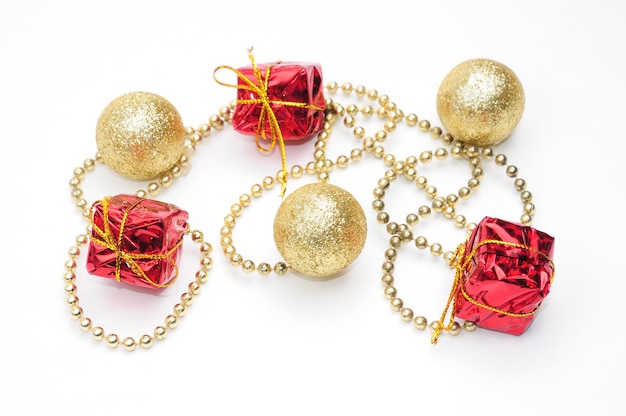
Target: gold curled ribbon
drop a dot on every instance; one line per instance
(461, 261)
(267, 114)
(109, 240)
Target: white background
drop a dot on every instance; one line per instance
(252, 345)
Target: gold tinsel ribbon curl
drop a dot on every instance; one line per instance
(114, 243)
(461, 261)
(267, 115)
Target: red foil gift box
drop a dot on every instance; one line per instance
(507, 273)
(136, 240)
(295, 94)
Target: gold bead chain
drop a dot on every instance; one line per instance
(160, 332)
(401, 233)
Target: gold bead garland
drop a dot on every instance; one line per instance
(401, 233)
(160, 332)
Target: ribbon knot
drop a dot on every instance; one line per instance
(267, 117)
(112, 242)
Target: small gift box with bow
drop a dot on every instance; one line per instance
(506, 271)
(289, 92)
(136, 240)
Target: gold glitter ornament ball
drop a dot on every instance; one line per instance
(320, 229)
(480, 102)
(140, 135)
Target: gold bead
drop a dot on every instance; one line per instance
(207, 264)
(480, 102)
(146, 341)
(256, 190)
(140, 135)
(406, 314)
(455, 329)
(70, 288)
(112, 340)
(197, 236)
(245, 200)
(406, 235)
(76, 312)
(469, 326)
(160, 332)
(248, 266)
(320, 229)
(85, 324)
(194, 288)
(297, 171)
(153, 188)
(421, 242)
(70, 265)
(236, 259)
(392, 228)
(129, 344)
(280, 268)
(202, 276)
(264, 269)
(433, 325)
(171, 321)
(387, 279)
(97, 333)
(396, 304)
(186, 299)
(390, 292)
(332, 87)
(420, 322)
(436, 249)
(69, 277)
(180, 309)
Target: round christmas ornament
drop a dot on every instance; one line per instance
(320, 229)
(140, 135)
(480, 102)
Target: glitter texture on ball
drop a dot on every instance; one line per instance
(480, 102)
(140, 135)
(320, 229)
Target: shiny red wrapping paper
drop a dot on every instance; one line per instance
(289, 82)
(503, 285)
(147, 252)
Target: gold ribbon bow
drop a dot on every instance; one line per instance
(109, 240)
(267, 113)
(461, 261)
